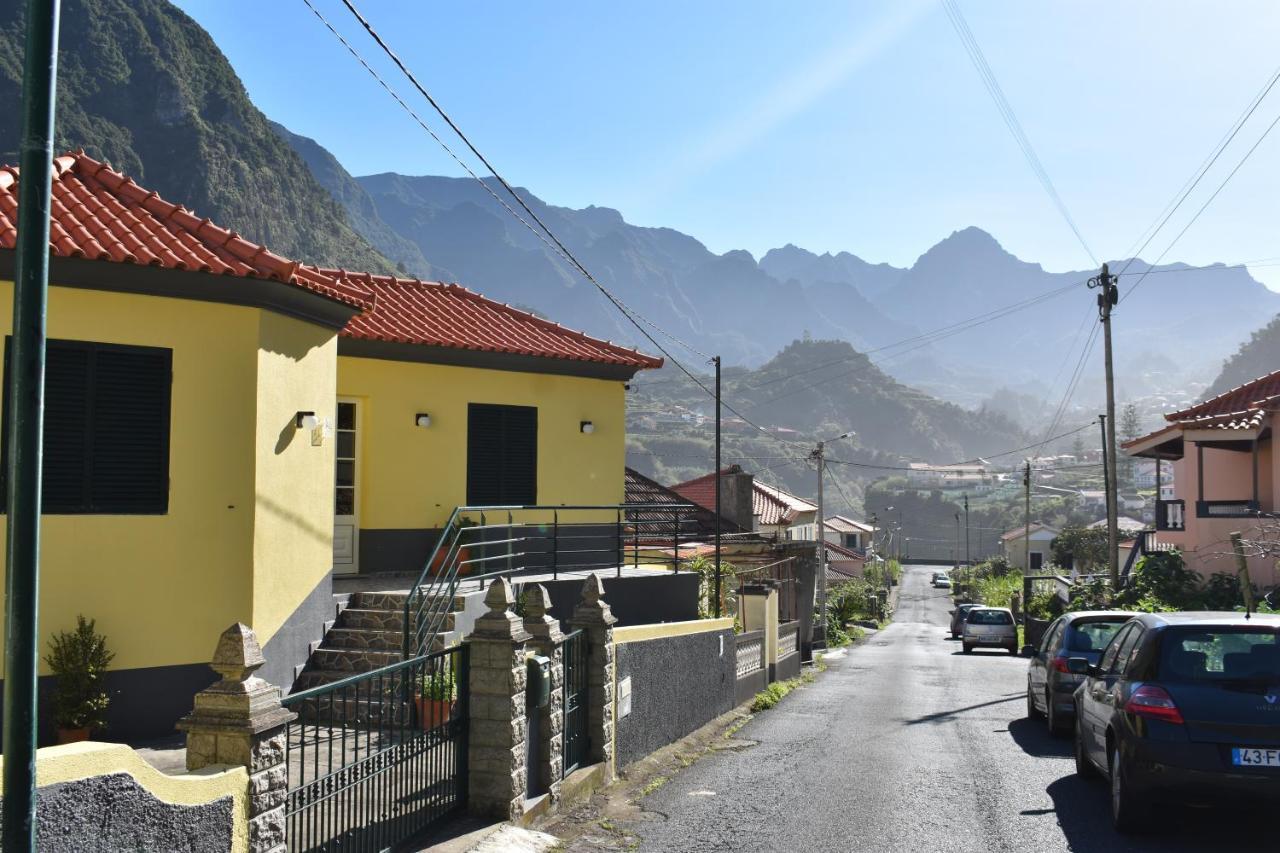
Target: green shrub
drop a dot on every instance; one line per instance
(79, 661)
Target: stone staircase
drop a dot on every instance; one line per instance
(367, 634)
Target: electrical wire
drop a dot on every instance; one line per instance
(558, 248)
(979, 59)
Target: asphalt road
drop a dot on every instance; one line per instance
(908, 745)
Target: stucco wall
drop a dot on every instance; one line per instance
(293, 521)
(97, 796)
(412, 478)
(679, 682)
(163, 587)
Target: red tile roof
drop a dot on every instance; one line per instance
(448, 315)
(770, 505)
(100, 214)
(1242, 407)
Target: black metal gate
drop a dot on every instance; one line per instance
(376, 758)
(576, 742)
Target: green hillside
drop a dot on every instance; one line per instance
(144, 87)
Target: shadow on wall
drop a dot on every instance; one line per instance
(298, 522)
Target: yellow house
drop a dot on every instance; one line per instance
(225, 429)
(446, 399)
(184, 489)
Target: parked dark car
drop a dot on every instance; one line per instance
(957, 618)
(1051, 686)
(1182, 707)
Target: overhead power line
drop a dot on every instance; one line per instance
(546, 236)
(979, 59)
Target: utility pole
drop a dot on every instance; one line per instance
(822, 550)
(1026, 520)
(1108, 296)
(966, 530)
(26, 424)
(956, 553)
(719, 479)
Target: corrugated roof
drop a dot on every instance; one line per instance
(411, 311)
(100, 214)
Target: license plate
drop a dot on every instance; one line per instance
(1249, 757)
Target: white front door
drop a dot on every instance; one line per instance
(346, 528)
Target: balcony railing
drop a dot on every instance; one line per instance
(1226, 509)
(1171, 515)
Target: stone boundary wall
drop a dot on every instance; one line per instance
(103, 796)
(676, 676)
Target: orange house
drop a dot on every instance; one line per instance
(1225, 474)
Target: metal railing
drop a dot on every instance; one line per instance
(376, 758)
(1171, 515)
(1226, 509)
(784, 575)
(576, 738)
(481, 542)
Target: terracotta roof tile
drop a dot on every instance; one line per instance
(100, 214)
(770, 505)
(1258, 394)
(448, 315)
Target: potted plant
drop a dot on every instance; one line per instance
(463, 553)
(434, 695)
(79, 662)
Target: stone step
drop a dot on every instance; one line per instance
(364, 638)
(396, 600)
(360, 619)
(351, 661)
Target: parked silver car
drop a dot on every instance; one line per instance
(1051, 686)
(990, 626)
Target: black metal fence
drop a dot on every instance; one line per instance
(576, 741)
(481, 542)
(378, 757)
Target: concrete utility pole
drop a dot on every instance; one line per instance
(822, 551)
(1026, 520)
(966, 530)
(719, 481)
(1108, 296)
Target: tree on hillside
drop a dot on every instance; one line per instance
(1256, 357)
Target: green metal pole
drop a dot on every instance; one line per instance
(26, 423)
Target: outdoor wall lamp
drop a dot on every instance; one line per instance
(306, 420)
(422, 419)
(587, 427)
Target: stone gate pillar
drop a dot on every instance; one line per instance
(548, 640)
(595, 619)
(496, 694)
(240, 721)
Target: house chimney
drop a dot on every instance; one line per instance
(736, 490)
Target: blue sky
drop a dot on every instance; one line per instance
(845, 126)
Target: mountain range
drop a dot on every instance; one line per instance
(144, 87)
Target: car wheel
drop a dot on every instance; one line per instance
(1128, 810)
(1084, 767)
(968, 649)
(1051, 716)
(1013, 650)
(1033, 713)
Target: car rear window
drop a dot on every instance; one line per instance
(1092, 636)
(1220, 654)
(989, 617)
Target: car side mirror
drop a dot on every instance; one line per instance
(1080, 666)
(1028, 651)
(951, 613)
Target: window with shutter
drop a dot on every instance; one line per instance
(106, 429)
(502, 455)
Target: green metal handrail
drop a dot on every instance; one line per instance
(431, 597)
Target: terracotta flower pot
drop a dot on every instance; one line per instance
(432, 712)
(464, 554)
(72, 735)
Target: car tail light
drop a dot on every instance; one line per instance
(1060, 664)
(1154, 703)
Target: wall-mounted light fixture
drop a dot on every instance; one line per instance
(587, 427)
(306, 420)
(422, 419)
